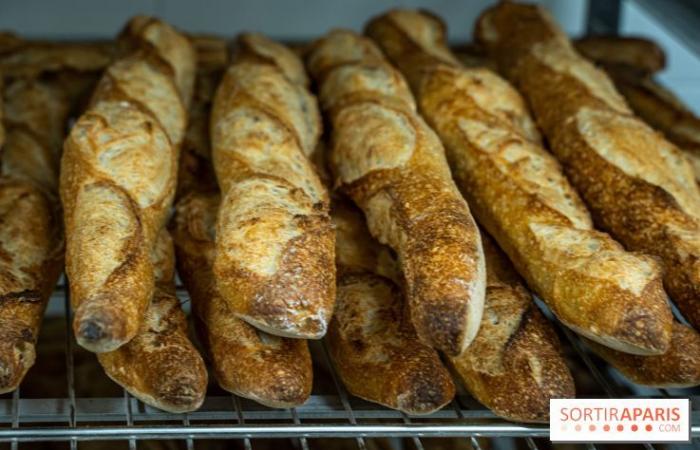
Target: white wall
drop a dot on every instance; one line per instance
(682, 73)
(297, 20)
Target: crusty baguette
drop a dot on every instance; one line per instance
(679, 367)
(374, 349)
(118, 180)
(638, 186)
(160, 366)
(274, 258)
(393, 166)
(614, 52)
(21, 58)
(520, 195)
(661, 109)
(31, 238)
(515, 365)
(631, 64)
(271, 370)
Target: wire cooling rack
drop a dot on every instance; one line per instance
(327, 414)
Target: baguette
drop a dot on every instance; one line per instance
(658, 106)
(639, 55)
(679, 367)
(21, 58)
(160, 366)
(515, 365)
(271, 370)
(393, 166)
(368, 338)
(274, 257)
(520, 195)
(31, 238)
(665, 112)
(118, 180)
(638, 186)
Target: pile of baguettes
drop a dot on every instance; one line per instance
(380, 254)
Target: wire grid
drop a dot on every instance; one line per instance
(335, 415)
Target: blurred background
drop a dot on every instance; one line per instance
(666, 21)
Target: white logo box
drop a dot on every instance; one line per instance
(620, 420)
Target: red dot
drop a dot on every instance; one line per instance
(591, 427)
(578, 427)
(634, 427)
(620, 427)
(648, 427)
(606, 427)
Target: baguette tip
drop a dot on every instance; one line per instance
(94, 335)
(14, 365)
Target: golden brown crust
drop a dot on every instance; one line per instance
(121, 155)
(663, 111)
(632, 70)
(28, 59)
(31, 242)
(273, 371)
(520, 195)
(514, 366)
(614, 52)
(274, 259)
(638, 186)
(393, 166)
(369, 338)
(677, 368)
(160, 366)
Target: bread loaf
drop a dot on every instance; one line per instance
(679, 367)
(31, 237)
(274, 257)
(520, 195)
(658, 106)
(393, 166)
(160, 366)
(271, 370)
(661, 109)
(20, 58)
(639, 55)
(638, 186)
(118, 180)
(374, 349)
(515, 365)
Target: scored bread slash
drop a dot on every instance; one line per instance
(632, 71)
(393, 166)
(519, 193)
(160, 366)
(118, 176)
(274, 258)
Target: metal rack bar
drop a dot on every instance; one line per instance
(129, 418)
(70, 368)
(342, 393)
(241, 420)
(325, 430)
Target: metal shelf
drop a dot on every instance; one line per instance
(325, 415)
